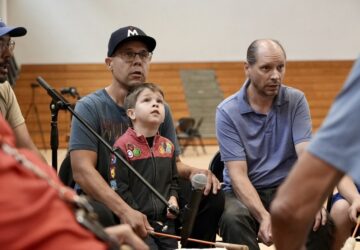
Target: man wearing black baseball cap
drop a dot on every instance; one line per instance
(9, 107)
(128, 59)
(126, 34)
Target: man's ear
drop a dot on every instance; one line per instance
(108, 62)
(131, 114)
(246, 69)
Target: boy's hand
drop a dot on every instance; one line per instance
(173, 202)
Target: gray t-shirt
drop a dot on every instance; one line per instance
(110, 121)
(338, 140)
(265, 142)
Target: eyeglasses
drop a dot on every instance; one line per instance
(9, 45)
(130, 56)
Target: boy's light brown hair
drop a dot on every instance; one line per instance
(134, 92)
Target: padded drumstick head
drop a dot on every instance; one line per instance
(349, 244)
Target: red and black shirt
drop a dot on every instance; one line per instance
(156, 163)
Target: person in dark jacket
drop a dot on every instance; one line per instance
(153, 157)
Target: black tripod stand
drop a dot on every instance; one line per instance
(34, 106)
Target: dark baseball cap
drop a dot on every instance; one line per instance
(129, 33)
(11, 31)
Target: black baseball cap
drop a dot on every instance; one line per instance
(129, 33)
(11, 31)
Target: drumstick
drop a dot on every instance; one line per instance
(357, 226)
(350, 242)
(229, 246)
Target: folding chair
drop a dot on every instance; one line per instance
(216, 166)
(187, 132)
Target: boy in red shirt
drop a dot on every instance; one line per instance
(153, 157)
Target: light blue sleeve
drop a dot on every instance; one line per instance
(231, 146)
(338, 140)
(302, 125)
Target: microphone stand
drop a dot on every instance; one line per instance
(55, 106)
(54, 135)
(58, 99)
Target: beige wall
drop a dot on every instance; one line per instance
(77, 31)
(3, 10)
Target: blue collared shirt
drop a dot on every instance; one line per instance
(265, 141)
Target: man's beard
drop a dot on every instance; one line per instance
(4, 67)
(3, 79)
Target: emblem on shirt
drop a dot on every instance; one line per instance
(113, 159)
(113, 185)
(162, 148)
(137, 152)
(112, 172)
(168, 148)
(130, 153)
(130, 147)
(165, 148)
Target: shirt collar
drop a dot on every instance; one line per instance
(140, 138)
(281, 99)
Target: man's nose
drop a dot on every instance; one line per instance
(137, 59)
(275, 75)
(6, 53)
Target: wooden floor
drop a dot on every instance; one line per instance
(190, 157)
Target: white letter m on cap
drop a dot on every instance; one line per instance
(132, 33)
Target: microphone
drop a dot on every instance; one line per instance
(198, 183)
(70, 91)
(56, 96)
(50, 90)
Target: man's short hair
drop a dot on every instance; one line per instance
(253, 48)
